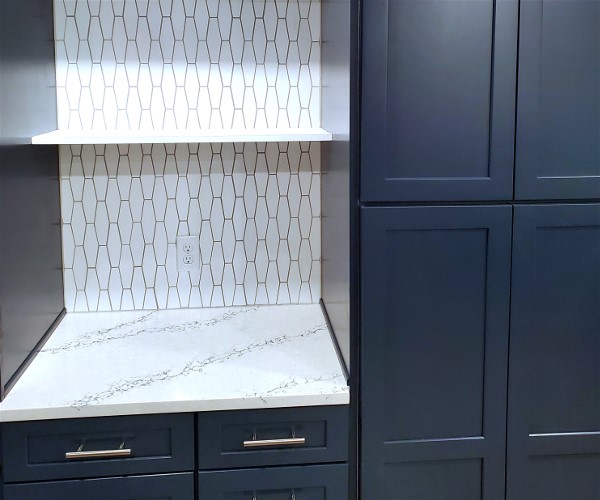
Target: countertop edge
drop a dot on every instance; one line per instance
(109, 410)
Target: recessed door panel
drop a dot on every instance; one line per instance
(554, 385)
(438, 97)
(435, 295)
(558, 120)
(435, 335)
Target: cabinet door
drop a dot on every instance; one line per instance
(317, 482)
(558, 120)
(161, 487)
(554, 371)
(438, 99)
(435, 297)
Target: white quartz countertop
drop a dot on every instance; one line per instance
(120, 363)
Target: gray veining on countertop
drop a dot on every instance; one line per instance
(98, 364)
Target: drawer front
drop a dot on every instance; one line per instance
(272, 437)
(311, 482)
(97, 447)
(161, 487)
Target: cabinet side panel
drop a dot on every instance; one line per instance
(30, 242)
(335, 164)
(27, 75)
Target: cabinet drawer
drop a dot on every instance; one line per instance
(160, 487)
(111, 446)
(272, 437)
(311, 482)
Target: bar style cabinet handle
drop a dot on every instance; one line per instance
(82, 455)
(272, 443)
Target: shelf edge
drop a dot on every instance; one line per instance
(114, 137)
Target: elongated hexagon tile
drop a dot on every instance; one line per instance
(255, 207)
(101, 224)
(143, 36)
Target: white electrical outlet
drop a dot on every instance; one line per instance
(188, 253)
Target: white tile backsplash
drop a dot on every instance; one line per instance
(135, 64)
(180, 64)
(252, 205)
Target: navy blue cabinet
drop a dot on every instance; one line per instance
(278, 436)
(554, 397)
(158, 457)
(438, 100)
(435, 309)
(448, 410)
(58, 459)
(159, 487)
(558, 120)
(316, 482)
(97, 447)
(233, 441)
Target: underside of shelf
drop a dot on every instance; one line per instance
(181, 136)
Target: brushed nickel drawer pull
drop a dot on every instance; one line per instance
(271, 443)
(81, 455)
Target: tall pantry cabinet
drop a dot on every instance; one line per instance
(480, 249)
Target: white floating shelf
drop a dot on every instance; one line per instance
(181, 136)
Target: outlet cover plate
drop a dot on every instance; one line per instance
(188, 253)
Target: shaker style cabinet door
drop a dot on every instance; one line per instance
(159, 487)
(554, 368)
(438, 99)
(558, 117)
(435, 313)
(306, 482)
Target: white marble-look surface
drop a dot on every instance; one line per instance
(119, 363)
